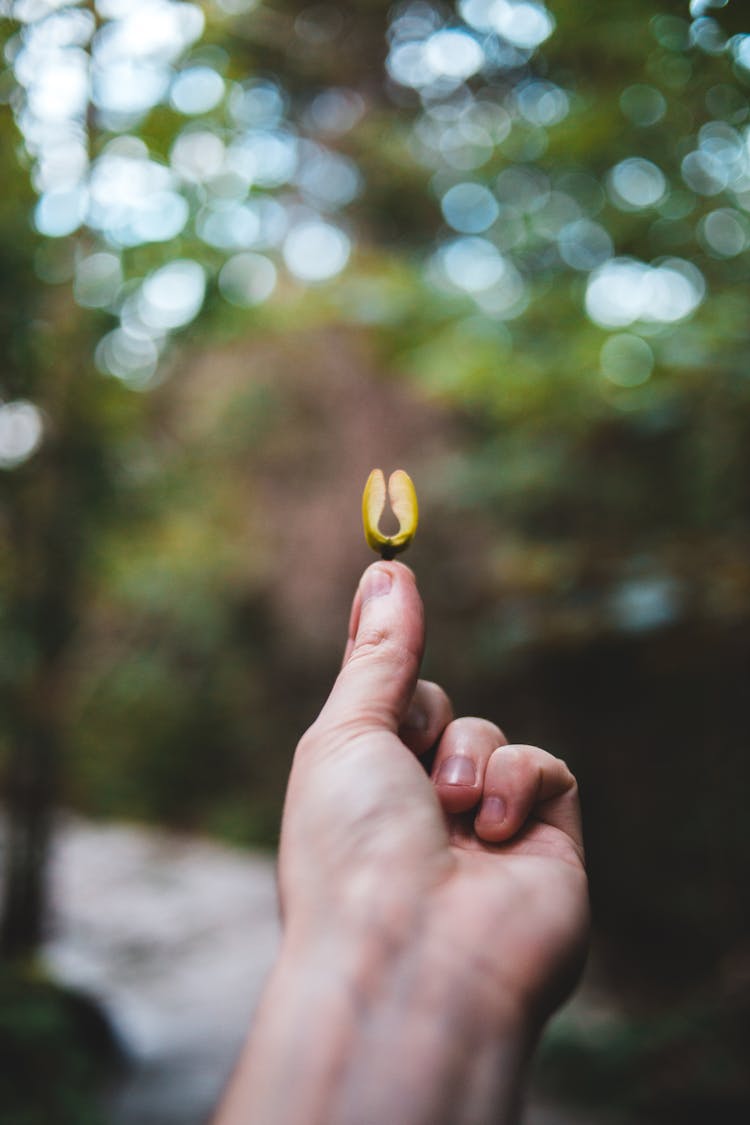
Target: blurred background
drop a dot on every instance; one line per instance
(249, 251)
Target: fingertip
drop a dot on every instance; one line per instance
(458, 772)
(397, 566)
(380, 578)
(384, 649)
(511, 786)
(492, 823)
(458, 783)
(521, 780)
(392, 566)
(376, 582)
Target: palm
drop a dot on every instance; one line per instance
(524, 899)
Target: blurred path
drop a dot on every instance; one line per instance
(174, 937)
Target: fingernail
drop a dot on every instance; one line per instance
(415, 718)
(493, 808)
(375, 583)
(457, 771)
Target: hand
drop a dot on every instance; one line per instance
(366, 844)
(432, 921)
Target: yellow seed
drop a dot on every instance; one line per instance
(403, 500)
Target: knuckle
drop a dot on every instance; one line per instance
(566, 771)
(486, 727)
(379, 644)
(369, 641)
(512, 753)
(437, 700)
(497, 732)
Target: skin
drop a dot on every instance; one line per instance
(432, 921)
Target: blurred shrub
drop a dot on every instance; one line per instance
(56, 1051)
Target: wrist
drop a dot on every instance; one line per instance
(373, 1029)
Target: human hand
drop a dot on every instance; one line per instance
(483, 857)
(432, 921)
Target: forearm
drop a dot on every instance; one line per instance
(372, 1032)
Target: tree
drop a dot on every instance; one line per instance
(155, 174)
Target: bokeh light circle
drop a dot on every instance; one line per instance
(724, 232)
(469, 208)
(131, 358)
(643, 105)
(626, 360)
(197, 89)
(247, 279)
(472, 264)
(584, 245)
(173, 295)
(316, 251)
(624, 291)
(636, 183)
(59, 213)
(21, 430)
(98, 279)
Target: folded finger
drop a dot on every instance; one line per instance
(521, 781)
(461, 760)
(428, 715)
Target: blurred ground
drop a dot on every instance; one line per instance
(174, 937)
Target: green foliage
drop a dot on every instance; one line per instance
(690, 1063)
(56, 1051)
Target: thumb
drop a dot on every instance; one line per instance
(386, 639)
